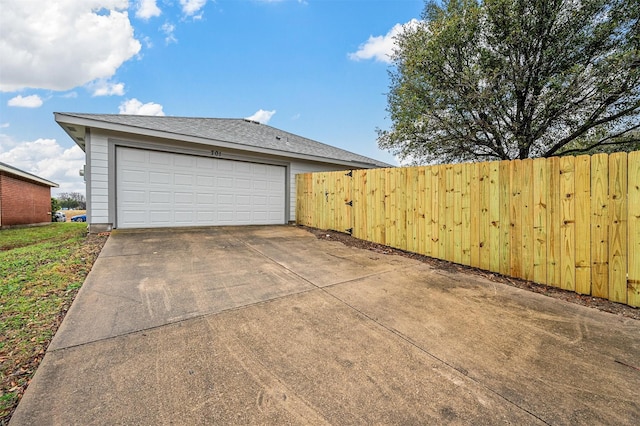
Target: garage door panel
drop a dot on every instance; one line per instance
(182, 179)
(134, 197)
(137, 156)
(225, 218)
(259, 169)
(183, 198)
(206, 216)
(243, 200)
(225, 200)
(157, 189)
(243, 183)
(135, 217)
(160, 216)
(260, 184)
(159, 158)
(205, 181)
(243, 216)
(224, 182)
(159, 178)
(260, 200)
(205, 199)
(225, 166)
(160, 197)
(185, 161)
(273, 186)
(275, 201)
(204, 163)
(133, 176)
(184, 217)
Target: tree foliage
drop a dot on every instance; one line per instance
(505, 79)
(72, 200)
(55, 205)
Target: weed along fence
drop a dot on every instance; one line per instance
(568, 222)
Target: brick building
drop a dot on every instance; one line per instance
(24, 198)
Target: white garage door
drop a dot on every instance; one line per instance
(160, 189)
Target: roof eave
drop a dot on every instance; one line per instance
(28, 176)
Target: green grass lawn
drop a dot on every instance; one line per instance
(41, 270)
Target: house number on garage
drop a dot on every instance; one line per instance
(216, 153)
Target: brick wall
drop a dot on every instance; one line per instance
(23, 202)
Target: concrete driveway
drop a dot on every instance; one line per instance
(269, 325)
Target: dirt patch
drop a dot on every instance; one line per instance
(569, 296)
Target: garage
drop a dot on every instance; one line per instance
(160, 189)
(160, 171)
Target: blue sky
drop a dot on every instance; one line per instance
(316, 68)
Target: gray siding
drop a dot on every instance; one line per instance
(98, 179)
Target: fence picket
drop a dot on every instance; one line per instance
(540, 201)
(456, 190)
(617, 227)
(600, 225)
(442, 212)
(435, 211)
(493, 190)
(466, 214)
(475, 213)
(568, 223)
(553, 221)
(527, 219)
(424, 188)
(583, 224)
(504, 190)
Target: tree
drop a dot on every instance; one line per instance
(72, 200)
(55, 205)
(505, 79)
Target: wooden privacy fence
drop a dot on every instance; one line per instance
(568, 222)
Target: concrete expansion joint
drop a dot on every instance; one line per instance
(178, 322)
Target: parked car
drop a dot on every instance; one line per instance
(79, 218)
(58, 217)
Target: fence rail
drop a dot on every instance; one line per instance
(568, 222)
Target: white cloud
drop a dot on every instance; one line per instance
(168, 28)
(47, 159)
(70, 95)
(380, 48)
(192, 7)
(4, 125)
(63, 44)
(107, 88)
(262, 116)
(31, 101)
(147, 9)
(135, 107)
(147, 42)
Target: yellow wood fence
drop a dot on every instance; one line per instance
(568, 222)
